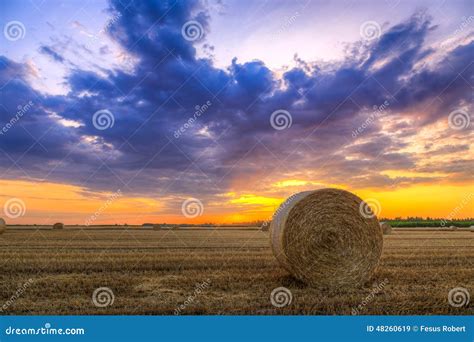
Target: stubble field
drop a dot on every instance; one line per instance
(224, 272)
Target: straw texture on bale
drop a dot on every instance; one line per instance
(3, 226)
(322, 238)
(58, 225)
(386, 228)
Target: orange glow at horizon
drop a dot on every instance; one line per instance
(47, 203)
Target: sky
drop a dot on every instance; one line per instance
(122, 111)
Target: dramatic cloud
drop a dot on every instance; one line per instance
(183, 126)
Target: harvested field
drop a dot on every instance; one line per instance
(218, 272)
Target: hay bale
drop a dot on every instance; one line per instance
(322, 238)
(386, 228)
(3, 226)
(453, 227)
(58, 225)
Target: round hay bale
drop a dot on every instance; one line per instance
(265, 226)
(322, 238)
(58, 225)
(3, 226)
(386, 228)
(453, 227)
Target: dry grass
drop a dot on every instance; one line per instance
(153, 272)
